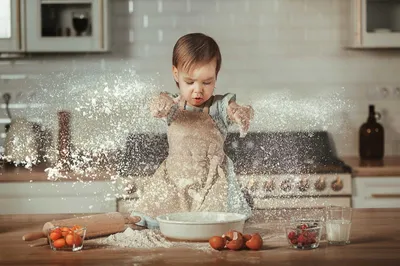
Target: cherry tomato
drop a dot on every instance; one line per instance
(59, 243)
(65, 231)
(73, 239)
(55, 235)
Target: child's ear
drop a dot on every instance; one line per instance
(175, 73)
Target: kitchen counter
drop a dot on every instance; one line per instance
(10, 173)
(375, 240)
(390, 166)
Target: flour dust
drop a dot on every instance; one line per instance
(108, 105)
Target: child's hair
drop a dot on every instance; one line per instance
(193, 49)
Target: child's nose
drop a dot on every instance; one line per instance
(198, 87)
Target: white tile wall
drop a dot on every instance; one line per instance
(271, 46)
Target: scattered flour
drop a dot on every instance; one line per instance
(148, 239)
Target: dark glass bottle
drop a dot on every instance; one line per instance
(371, 136)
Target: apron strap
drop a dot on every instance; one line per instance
(206, 108)
(182, 105)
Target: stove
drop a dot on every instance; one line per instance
(274, 169)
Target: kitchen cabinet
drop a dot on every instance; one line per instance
(56, 197)
(375, 24)
(376, 192)
(39, 26)
(12, 39)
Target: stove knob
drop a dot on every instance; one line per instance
(320, 184)
(304, 184)
(252, 186)
(130, 189)
(286, 185)
(269, 185)
(337, 185)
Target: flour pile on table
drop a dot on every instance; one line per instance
(148, 239)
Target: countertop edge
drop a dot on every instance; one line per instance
(388, 167)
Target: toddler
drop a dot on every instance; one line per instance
(197, 175)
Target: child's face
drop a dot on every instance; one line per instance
(197, 86)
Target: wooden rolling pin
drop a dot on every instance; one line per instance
(96, 225)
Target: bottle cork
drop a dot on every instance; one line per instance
(64, 138)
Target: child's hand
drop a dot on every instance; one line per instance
(242, 116)
(161, 105)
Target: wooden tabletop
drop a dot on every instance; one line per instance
(375, 240)
(389, 166)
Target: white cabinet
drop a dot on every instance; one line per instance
(12, 37)
(375, 24)
(57, 197)
(376, 192)
(54, 26)
(67, 26)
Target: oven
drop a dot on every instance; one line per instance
(276, 170)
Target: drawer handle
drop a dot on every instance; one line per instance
(385, 196)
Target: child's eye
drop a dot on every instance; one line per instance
(189, 82)
(206, 83)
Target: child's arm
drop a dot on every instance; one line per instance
(240, 115)
(161, 104)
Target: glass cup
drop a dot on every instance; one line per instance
(338, 225)
(67, 238)
(304, 233)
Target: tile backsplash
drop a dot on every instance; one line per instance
(285, 57)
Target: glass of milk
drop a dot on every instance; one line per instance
(338, 225)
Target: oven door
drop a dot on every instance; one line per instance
(300, 202)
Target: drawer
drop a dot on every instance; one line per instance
(376, 192)
(365, 202)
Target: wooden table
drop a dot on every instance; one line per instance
(375, 240)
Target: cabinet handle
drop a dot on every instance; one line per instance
(385, 196)
(101, 3)
(18, 15)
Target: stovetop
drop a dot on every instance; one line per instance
(259, 153)
(284, 153)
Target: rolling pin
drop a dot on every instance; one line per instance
(96, 225)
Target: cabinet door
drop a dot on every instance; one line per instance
(11, 21)
(54, 26)
(375, 24)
